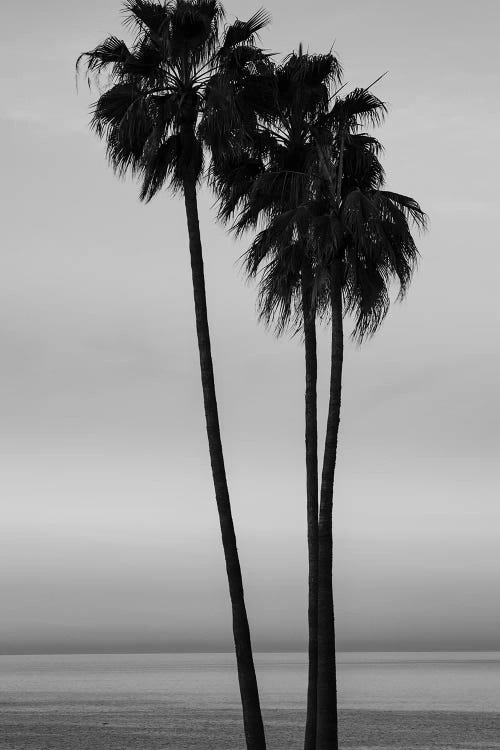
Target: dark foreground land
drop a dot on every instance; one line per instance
(117, 725)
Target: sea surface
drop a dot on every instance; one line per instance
(396, 701)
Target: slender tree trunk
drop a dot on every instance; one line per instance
(252, 717)
(311, 438)
(327, 729)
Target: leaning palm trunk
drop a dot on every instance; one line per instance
(327, 728)
(252, 717)
(311, 439)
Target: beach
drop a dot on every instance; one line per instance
(150, 726)
(188, 701)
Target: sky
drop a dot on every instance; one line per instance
(109, 536)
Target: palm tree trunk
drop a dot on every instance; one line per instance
(252, 717)
(327, 729)
(311, 439)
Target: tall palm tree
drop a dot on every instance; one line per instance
(363, 242)
(355, 238)
(180, 85)
(269, 177)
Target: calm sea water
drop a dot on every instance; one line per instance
(187, 701)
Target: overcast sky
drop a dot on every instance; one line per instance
(109, 535)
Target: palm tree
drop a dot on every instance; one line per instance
(363, 242)
(179, 86)
(329, 248)
(269, 177)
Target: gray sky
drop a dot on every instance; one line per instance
(109, 536)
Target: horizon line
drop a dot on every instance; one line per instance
(124, 652)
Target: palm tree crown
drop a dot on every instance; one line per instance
(326, 201)
(266, 182)
(180, 85)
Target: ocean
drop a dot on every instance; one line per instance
(396, 701)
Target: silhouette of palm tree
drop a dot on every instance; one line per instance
(269, 177)
(173, 96)
(366, 234)
(332, 242)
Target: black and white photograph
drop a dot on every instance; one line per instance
(249, 375)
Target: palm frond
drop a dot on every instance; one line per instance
(359, 107)
(169, 163)
(121, 154)
(245, 32)
(120, 103)
(361, 166)
(232, 179)
(194, 29)
(279, 294)
(366, 297)
(123, 118)
(110, 54)
(147, 15)
(159, 167)
(408, 206)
